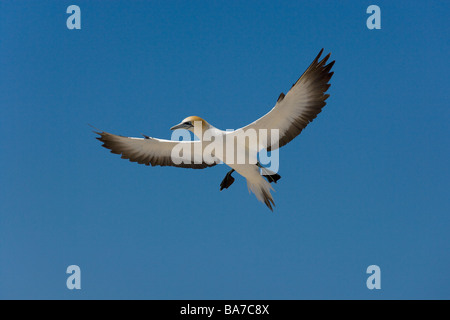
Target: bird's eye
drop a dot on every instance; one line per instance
(189, 123)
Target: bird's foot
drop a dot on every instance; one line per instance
(272, 177)
(269, 175)
(227, 181)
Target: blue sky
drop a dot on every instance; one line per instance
(366, 183)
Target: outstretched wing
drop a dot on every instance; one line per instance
(299, 106)
(156, 152)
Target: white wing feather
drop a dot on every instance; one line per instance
(155, 152)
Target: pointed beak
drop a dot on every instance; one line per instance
(179, 126)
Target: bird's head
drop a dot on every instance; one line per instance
(193, 123)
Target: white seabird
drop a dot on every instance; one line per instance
(291, 114)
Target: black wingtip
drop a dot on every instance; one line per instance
(268, 201)
(317, 57)
(99, 132)
(329, 66)
(90, 125)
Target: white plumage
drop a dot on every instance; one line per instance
(291, 114)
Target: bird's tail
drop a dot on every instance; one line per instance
(261, 188)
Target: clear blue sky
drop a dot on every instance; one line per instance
(366, 183)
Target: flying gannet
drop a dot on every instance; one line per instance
(291, 114)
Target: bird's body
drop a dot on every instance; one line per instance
(238, 149)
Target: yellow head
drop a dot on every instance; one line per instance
(193, 123)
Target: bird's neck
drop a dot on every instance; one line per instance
(205, 130)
